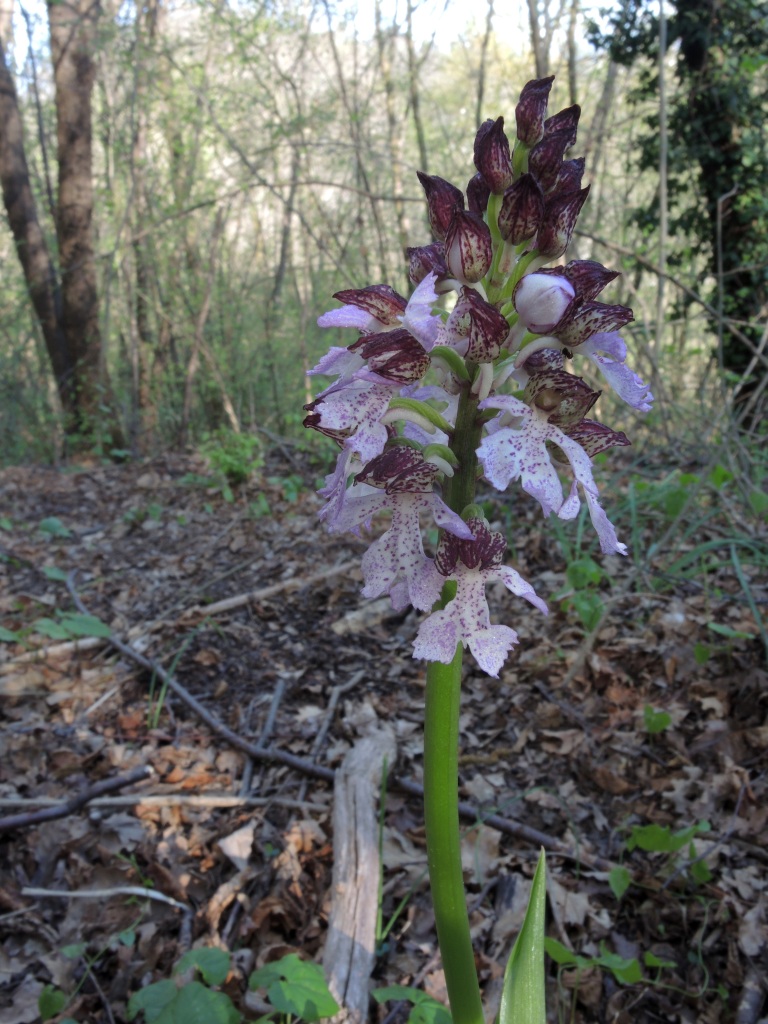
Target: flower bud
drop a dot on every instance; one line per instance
(565, 398)
(592, 318)
(565, 120)
(560, 216)
(443, 200)
(426, 259)
(480, 323)
(477, 194)
(378, 300)
(531, 109)
(569, 176)
(492, 156)
(468, 247)
(588, 277)
(396, 355)
(542, 300)
(521, 210)
(546, 158)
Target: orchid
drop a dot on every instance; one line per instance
(429, 398)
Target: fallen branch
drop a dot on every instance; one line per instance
(259, 753)
(295, 583)
(105, 894)
(63, 810)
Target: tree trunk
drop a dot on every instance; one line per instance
(73, 26)
(35, 259)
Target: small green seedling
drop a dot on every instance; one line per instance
(655, 721)
(296, 988)
(424, 1009)
(175, 1000)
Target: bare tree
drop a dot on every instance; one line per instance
(66, 307)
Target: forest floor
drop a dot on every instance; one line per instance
(635, 750)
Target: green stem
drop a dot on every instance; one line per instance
(441, 815)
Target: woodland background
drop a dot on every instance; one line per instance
(184, 187)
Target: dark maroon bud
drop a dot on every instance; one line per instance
(443, 200)
(588, 277)
(480, 323)
(492, 157)
(426, 259)
(595, 437)
(564, 121)
(521, 210)
(399, 468)
(531, 110)
(560, 216)
(591, 318)
(468, 247)
(569, 176)
(546, 158)
(477, 194)
(396, 355)
(565, 398)
(378, 300)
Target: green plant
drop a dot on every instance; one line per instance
(296, 988)
(184, 998)
(233, 456)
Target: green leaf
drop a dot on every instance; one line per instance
(152, 1000)
(54, 527)
(700, 872)
(522, 1000)
(213, 964)
(619, 880)
(51, 629)
(8, 636)
(74, 950)
(296, 986)
(426, 1009)
(731, 634)
(719, 476)
(85, 625)
(589, 607)
(582, 572)
(651, 960)
(625, 971)
(655, 721)
(53, 572)
(196, 1004)
(701, 653)
(560, 953)
(51, 1001)
(758, 502)
(5, 523)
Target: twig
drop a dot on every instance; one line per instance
(259, 753)
(105, 894)
(330, 711)
(63, 810)
(467, 811)
(223, 800)
(295, 583)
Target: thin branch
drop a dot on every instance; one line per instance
(63, 810)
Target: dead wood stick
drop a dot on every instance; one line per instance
(466, 811)
(221, 800)
(105, 894)
(257, 752)
(350, 948)
(295, 583)
(63, 810)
